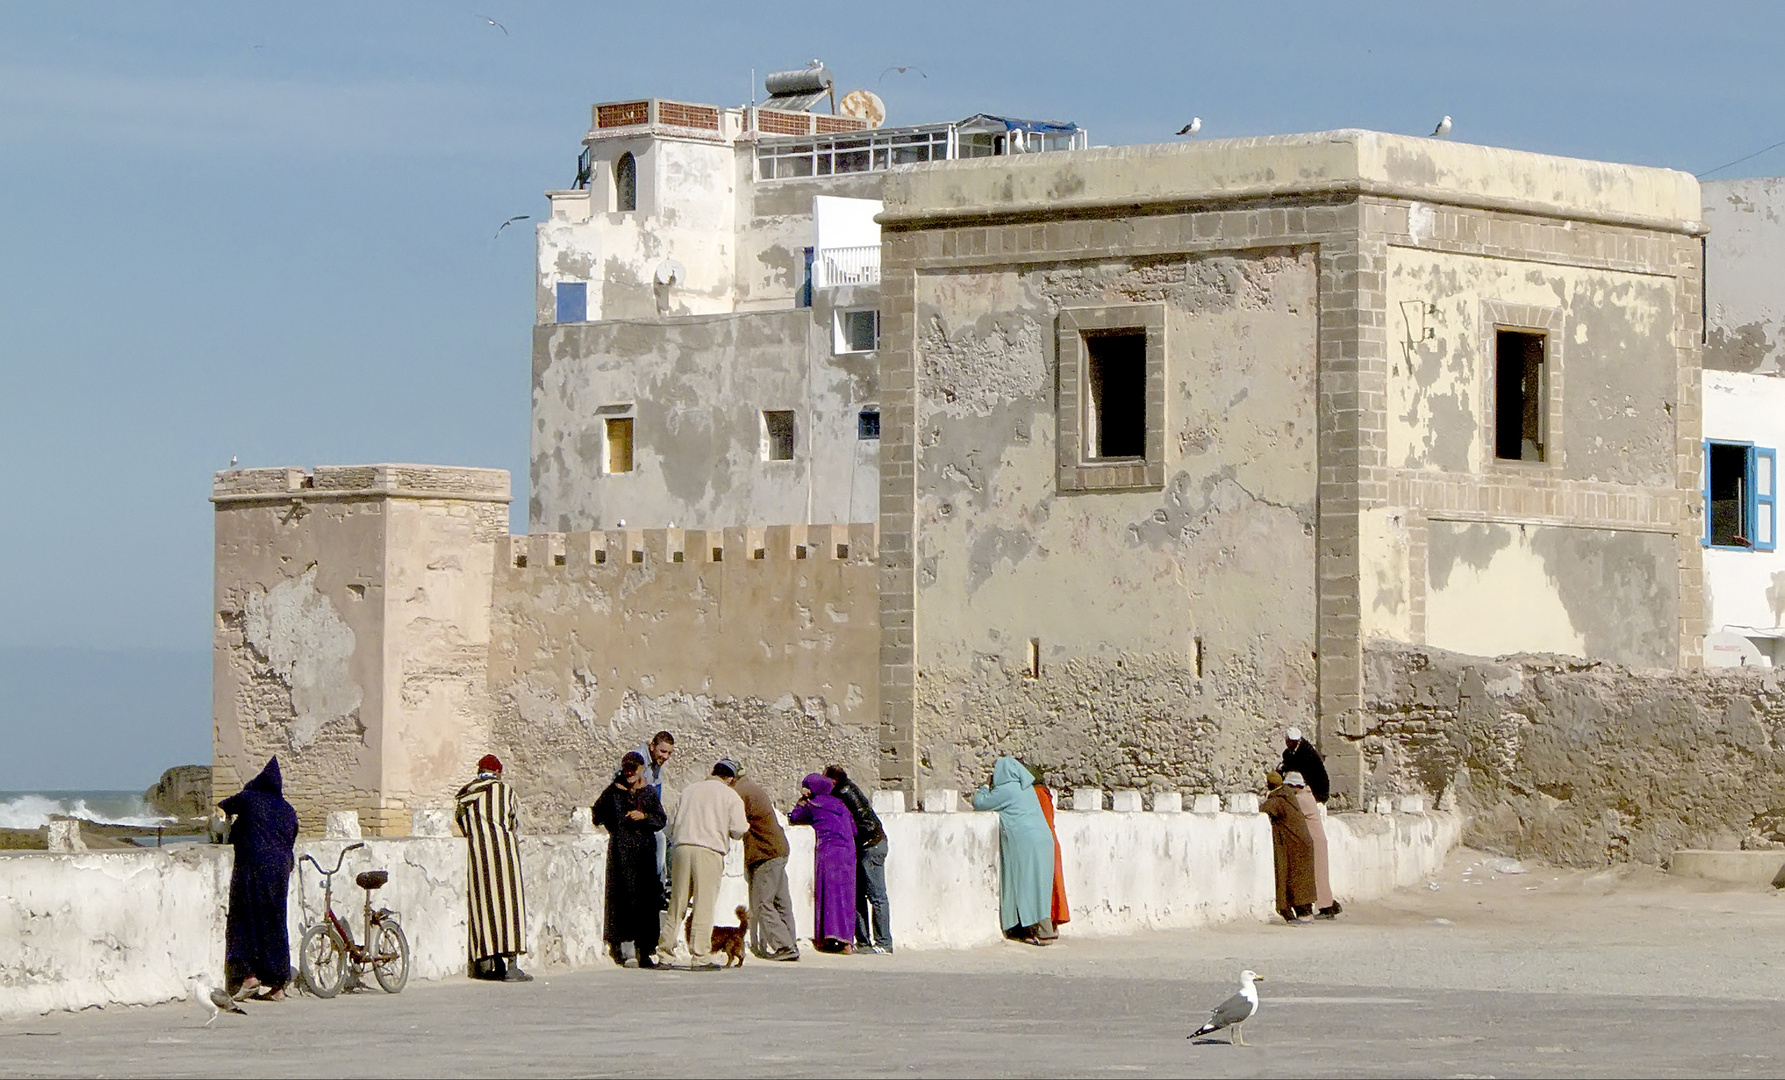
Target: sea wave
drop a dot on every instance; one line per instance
(33, 811)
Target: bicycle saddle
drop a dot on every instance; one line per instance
(372, 879)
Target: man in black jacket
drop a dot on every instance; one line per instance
(870, 866)
(1300, 756)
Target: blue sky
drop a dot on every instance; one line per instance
(266, 231)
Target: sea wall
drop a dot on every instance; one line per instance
(137, 928)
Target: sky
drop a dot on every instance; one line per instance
(268, 232)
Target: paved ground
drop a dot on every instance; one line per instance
(1542, 973)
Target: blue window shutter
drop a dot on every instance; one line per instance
(1765, 465)
(573, 301)
(1705, 540)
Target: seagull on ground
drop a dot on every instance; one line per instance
(901, 71)
(1233, 1012)
(495, 24)
(1194, 126)
(1442, 129)
(510, 221)
(216, 1000)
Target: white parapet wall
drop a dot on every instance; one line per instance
(103, 928)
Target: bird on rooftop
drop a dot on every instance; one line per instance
(901, 71)
(232, 461)
(216, 1000)
(510, 221)
(1194, 126)
(1233, 1012)
(495, 24)
(1442, 129)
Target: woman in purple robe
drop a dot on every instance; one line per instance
(833, 862)
(257, 946)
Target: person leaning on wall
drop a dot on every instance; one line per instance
(1299, 756)
(873, 913)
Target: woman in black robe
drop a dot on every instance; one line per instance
(257, 946)
(632, 814)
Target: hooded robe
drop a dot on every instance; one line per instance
(256, 941)
(1025, 845)
(1062, 912)
(634, 889)
(487, 815)
(833, 860)
(1292, 850)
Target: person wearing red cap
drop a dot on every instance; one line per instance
(488, 815)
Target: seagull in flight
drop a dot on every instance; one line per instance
(901, 71)
(1233, 1012)
(510, 221)
(1442, 129)
(495, 24)
(1194, 126)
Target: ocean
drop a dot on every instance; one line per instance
(32, 809)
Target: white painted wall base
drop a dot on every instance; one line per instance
(103, 928)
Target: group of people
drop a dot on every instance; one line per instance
(647, 910)
(1296, 805)
(664, 868)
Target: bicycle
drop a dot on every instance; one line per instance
(327, 953)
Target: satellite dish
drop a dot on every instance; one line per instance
(670, 272)
(863, 105)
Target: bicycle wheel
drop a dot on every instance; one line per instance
(322, 961)
(389, 954)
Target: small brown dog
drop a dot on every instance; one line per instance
(726, 939)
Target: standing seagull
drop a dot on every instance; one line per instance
(1233, 1012)
(1443, 128)
(216, 1000)
(1194, 126)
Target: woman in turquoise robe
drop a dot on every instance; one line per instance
(1025, 850)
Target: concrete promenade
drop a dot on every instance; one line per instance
(1541, 973)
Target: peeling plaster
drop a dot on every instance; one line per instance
(296, 631)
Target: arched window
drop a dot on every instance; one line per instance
(626, 183)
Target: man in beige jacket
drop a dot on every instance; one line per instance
(709, 816)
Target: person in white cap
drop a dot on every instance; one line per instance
(1300, 759)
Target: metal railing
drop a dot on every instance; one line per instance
(835, 266)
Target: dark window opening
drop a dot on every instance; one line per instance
(858, 331)
(1519, 400)
(1116, 381)
(867, 425)
(619, 444)
(1728, 495)
(626, 183)
(777, 428)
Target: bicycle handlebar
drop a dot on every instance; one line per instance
(326, 874)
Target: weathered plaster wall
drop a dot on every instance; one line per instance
(769, 660)
(697, 389)
(1176, 627)
(771, 247)
(352, 625)
(1745, 589)
(1744, 275)
(1578, 762)
(1496, 589)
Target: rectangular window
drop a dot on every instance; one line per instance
(856, 331)
(777, 435)
(619, 444)
(1520, 396)
(573, 301)
(803, 298)
(1116, 398)
(1740, 496)
(867, 425)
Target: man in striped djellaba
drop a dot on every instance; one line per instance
(487, 815)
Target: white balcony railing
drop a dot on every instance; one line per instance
(836, 266)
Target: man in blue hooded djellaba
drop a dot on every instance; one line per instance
(257, 946)
(1025, 851)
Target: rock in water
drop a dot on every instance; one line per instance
(183, 791)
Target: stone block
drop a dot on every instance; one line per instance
(341, 825)
(1382, 804)
(1168, 802)
(888, 802)
(430, 821)
(1126, 801)
(582, 823)
(1413, 804)
(940, 800)
(1087, 799)
(1739, 867)
(1206, 803)
(65, 835)
(1242, 802)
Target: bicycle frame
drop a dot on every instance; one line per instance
(357, 952)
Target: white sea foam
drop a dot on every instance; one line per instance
(29, 810)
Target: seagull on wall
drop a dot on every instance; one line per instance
(510, 221)
(232, 461)
(1190, 129)
(901, 71)
(1442, 130)
(1233, 1012)
(495, 24)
